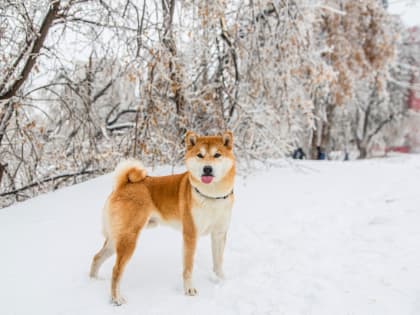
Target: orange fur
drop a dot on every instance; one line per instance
(129, 171)
(137, 199)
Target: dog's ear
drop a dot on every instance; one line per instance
(228, 139)
(190, 139)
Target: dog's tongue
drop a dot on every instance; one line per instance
(206, 179)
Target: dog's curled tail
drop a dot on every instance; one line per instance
(129, 171)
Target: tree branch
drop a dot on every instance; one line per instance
(226, 37)
(50, 179)
(38, 42)
(36, 47)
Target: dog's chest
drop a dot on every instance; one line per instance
(212, 215)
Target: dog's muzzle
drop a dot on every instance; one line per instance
(207, 176)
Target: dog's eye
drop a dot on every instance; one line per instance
(217, 155)
(200, 155)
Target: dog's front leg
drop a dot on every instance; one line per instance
(218, 241)
(190, 242)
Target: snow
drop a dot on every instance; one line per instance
(409, 11)
(311, 238)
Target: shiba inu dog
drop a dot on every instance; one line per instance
(198, 202)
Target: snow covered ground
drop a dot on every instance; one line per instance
(317, 238)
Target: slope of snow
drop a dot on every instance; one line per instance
(318, 238)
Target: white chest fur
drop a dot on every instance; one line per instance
(212, 215)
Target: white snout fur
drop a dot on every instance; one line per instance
(220, 167)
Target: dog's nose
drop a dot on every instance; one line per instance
(207, 170)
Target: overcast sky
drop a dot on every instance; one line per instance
(408, 9)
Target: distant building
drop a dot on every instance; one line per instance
(414, 93)
(414, 96)
(409, 136)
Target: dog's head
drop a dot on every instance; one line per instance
(209, 158)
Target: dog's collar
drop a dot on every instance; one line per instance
(209, 197)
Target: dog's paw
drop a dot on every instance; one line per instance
(96, 277)
(217, 278)
(220, 274)
(190, 291)
(118, 300)
(93, 274)
(189, 288)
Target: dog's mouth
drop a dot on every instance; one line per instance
(207, 179)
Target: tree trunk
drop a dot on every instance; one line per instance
(326, 128)
(363, 152)
(322, 134)
(175, 69)
(325, 137)
(36, 44)
(2, 167)
(314, 144)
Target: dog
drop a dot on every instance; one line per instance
(198, 202)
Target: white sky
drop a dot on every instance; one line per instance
(408, 9)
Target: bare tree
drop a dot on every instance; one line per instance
(86, 83)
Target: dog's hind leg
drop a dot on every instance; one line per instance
(125, 244)
(106, 251)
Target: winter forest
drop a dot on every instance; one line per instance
(85, 83)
